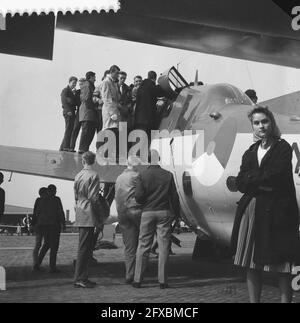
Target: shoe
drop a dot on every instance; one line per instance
(80, 152)
(72, 150)
(81, 284)
(163, 286)
(136, 285)
(54, 271)
(129, 281)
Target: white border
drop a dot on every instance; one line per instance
(46, 6)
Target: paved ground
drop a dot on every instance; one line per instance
(190, 281)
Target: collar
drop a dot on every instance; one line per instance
(87, 167)
(111, 79)
(268, 153)
(127, 170)
(154, 166)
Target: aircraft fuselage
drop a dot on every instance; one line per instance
(217, 117)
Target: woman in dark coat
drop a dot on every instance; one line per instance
(265, 233)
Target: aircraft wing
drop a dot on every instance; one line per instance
(253, 30)
(48, 163)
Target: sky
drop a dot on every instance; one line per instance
(30, 108)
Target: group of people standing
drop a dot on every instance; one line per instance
(48, 221)
(93, 109)
(147, 203)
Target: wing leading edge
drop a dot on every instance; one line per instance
(48, 163)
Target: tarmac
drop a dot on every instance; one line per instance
(201, 281)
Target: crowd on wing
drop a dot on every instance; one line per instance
(94, 108)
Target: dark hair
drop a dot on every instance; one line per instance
(114, 68)
(73, 78)
(250, 93)
(42, 191)
(137, 77)
(275, 133)
(123, 73)
(152, 75)
(153, 157)
(89, 74)
(82, 79)
(1, 177)
(52, 188)
(89, 157)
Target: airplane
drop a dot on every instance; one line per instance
(216, 113)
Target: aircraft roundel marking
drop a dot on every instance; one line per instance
(211, 148)
(210, 166)
(224, 141)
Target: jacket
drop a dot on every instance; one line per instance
(125, 103)
(145, 110)
(86, 191)
(125, 191)
(68, 100)
(77, 99)
(111, 97)
(276, 214)
(49, 211)
(87, 110)
(156, 190)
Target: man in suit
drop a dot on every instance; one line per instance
(129, 214)
(2, 197)
(87, 113)
(86, 191)
(77, 124)
(145, 110)
(156, 191)
(68, 100)
(137, 81)
(125, 99)
(50, 220)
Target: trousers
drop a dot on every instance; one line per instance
(87, 134)
(130, 227)
(85, 252)
(69, 121)
(75, 132)
(51, 235)
(151, 222)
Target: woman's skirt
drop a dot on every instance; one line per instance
(246, 245)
